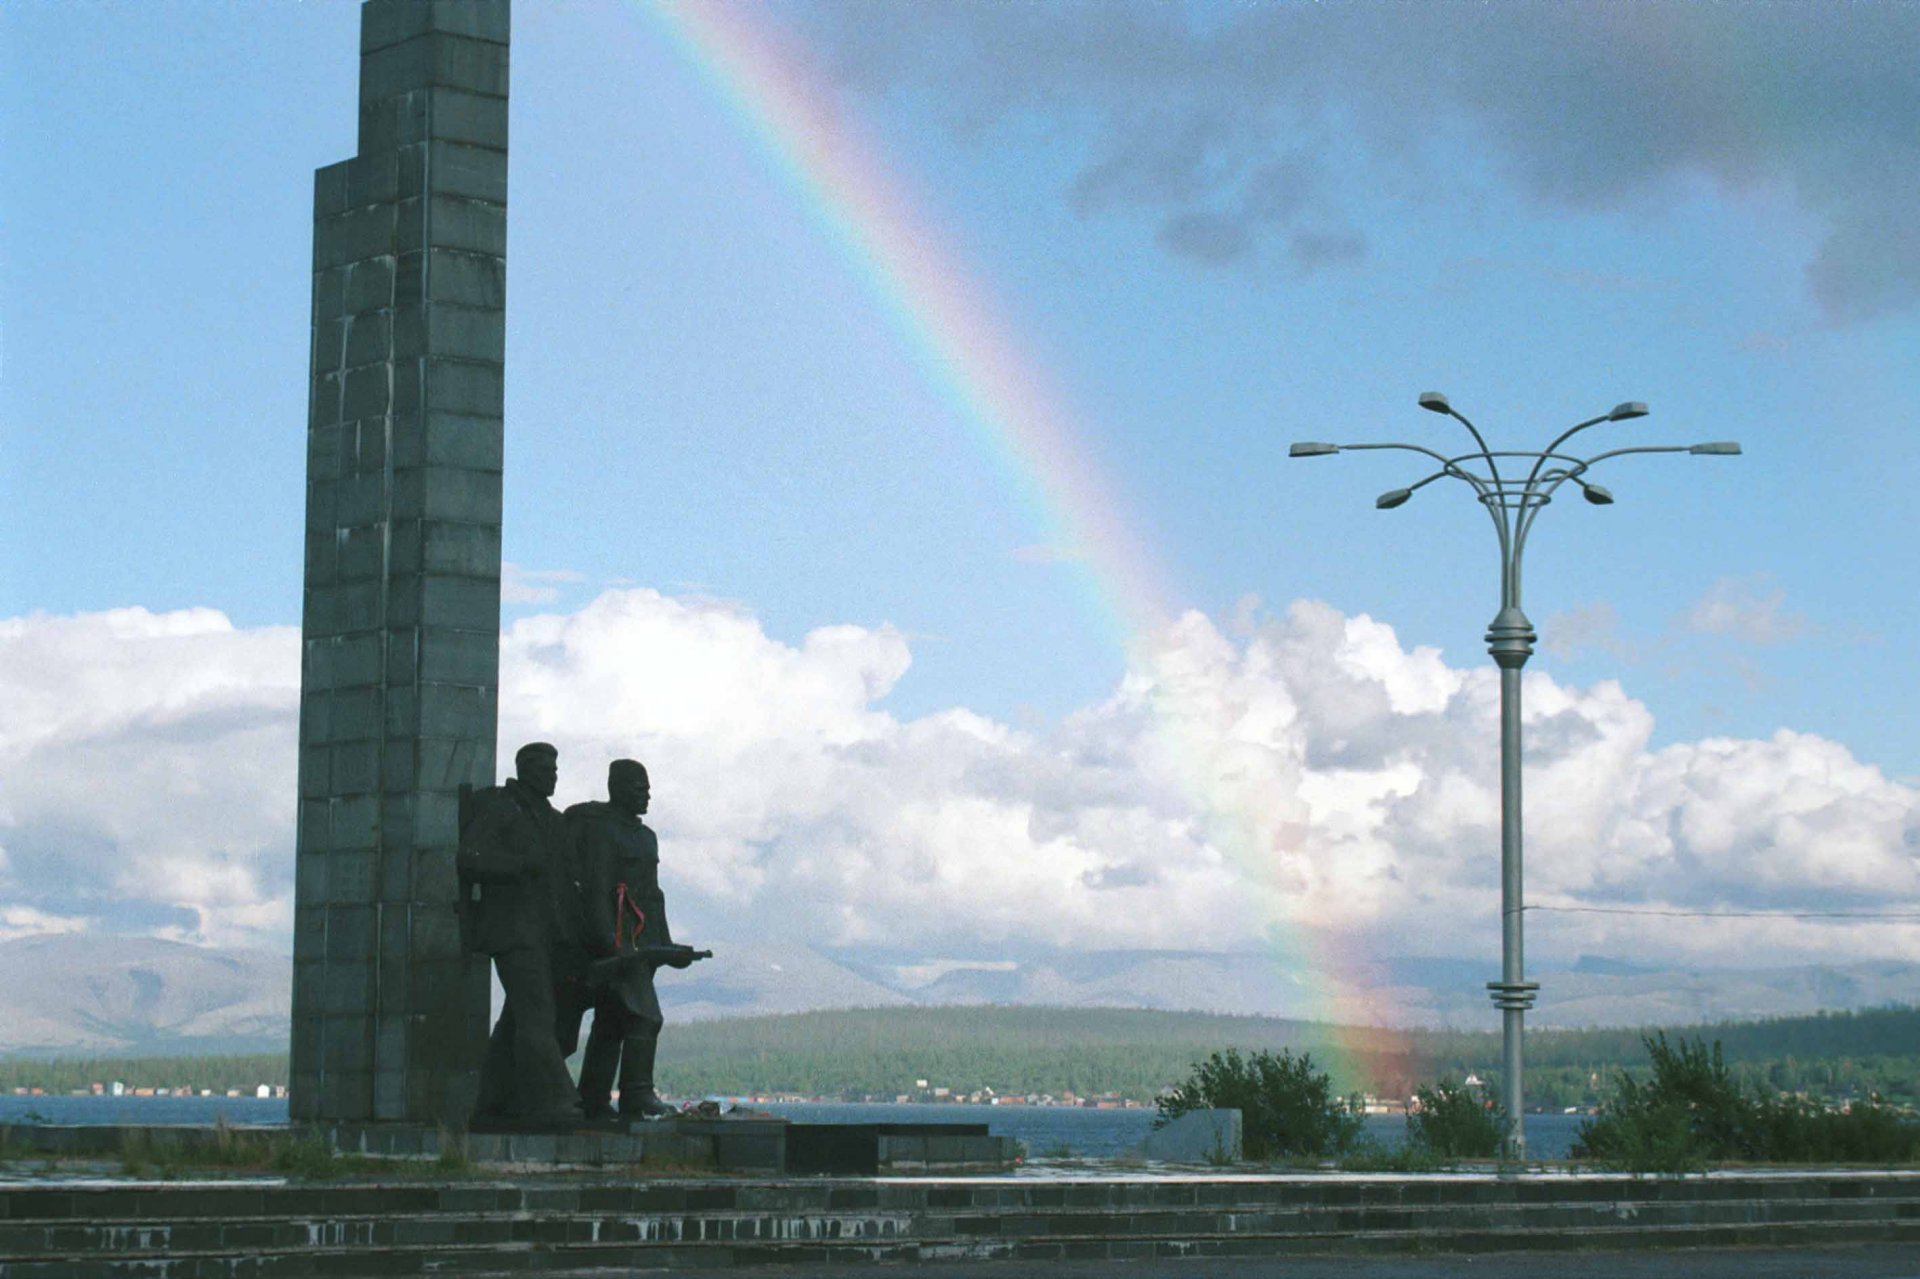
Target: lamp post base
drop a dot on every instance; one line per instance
(1513, 998)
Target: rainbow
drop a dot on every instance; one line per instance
(1018, 418)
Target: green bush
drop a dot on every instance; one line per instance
(1795, 1130)
(1692, 1111)
(1453, 1122)
(1287, 1107)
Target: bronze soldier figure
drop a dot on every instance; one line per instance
(617, 862)
(522, 909)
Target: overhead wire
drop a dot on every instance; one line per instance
(1729, 914)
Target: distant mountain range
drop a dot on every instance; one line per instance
(86, 994)
(1437, 993)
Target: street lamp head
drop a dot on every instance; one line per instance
(1719, 448)
(1311, 448)
(1434, 402)
(1392, 498)
(1632, 408)
(1597, 494)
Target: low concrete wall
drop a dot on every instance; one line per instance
(478, 1228)
(687, 1143)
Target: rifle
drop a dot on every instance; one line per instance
(604, 972)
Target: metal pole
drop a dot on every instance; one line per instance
(1513, 504)
(1510, 641)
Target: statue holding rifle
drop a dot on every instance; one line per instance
(617, 863)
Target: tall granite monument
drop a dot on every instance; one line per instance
(400, 635)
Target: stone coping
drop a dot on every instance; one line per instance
(38, 1176)
(1541, 1173)
(741, 1144)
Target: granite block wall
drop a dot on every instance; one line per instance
(400, 631)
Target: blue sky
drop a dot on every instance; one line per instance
(1215, 228)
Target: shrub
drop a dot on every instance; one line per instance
(1796, 1130)
(1691, 1110)
(1452, 1122)
(1286, 1106)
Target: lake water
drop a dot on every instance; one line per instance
(1046, 1131)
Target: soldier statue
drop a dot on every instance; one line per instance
(520, 905)
(617, 863)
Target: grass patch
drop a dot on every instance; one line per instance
(1372, 1155)
(453, 1160)
(12, 1148)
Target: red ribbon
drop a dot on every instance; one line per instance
(622, 905)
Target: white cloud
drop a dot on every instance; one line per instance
(25, 921)
(1744, 609)
(1306, 777)
(535, 585)
(146, 767)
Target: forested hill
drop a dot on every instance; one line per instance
(1868, 1033)
(883, 1051)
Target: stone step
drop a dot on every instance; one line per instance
(160, 1203)
(413, 1226)
(34, 1240)
(618, 1257)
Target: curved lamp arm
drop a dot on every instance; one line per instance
(1562, 438)
(1621, 412)
(1544, 484)
(1434, 402)
(1448, 465)
(1451, 466)
(1649, 448)
(1554, 479)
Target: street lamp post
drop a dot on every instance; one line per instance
(1513, 503)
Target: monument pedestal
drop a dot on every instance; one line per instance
(764, 1144)
(751, 1145)
(755, 1145)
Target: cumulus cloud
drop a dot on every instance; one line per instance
(1299, 776)
(1231, 125)
(146, 761)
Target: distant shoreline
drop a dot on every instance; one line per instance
(1065, 1058)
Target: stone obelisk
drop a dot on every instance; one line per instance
(401, 628)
